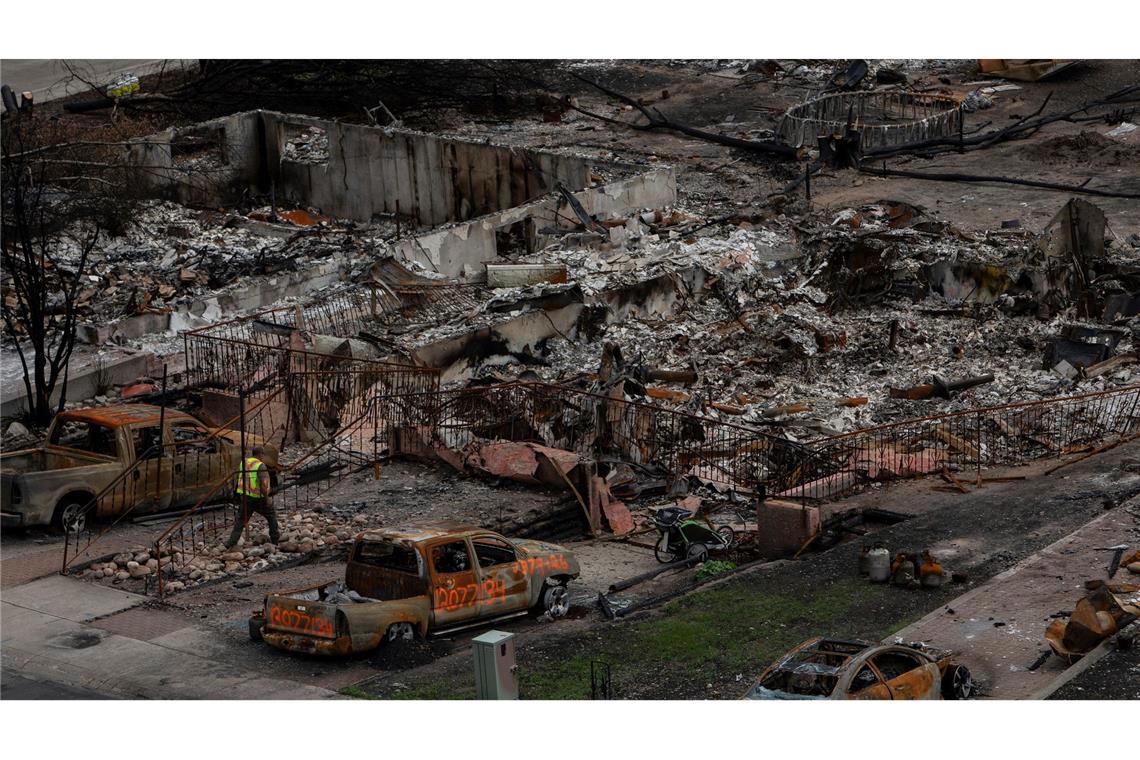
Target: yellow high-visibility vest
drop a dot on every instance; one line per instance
(250, 485)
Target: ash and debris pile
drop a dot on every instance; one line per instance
(817, 326)
(174, 258)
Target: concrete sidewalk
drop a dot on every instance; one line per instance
(65, 631)
(998, 629)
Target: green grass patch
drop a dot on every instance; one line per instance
(438, 689)
(733, 627)
(713, 568)
(710, 636)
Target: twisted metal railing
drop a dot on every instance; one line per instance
(973, 439)
(883, 119)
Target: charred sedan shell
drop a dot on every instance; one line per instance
(835, 669)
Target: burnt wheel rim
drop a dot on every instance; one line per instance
(963, 684)
(73, 519)
(401, 632)
(557, 601)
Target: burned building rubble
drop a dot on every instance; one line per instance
(660, 369)
(571, 386)
(359, 293)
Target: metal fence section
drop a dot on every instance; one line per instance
(676, 445)
(265, 359)
(343, 422)
(670, 443)
(964, 442)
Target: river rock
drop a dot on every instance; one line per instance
(122, 575)
(16, 429)
(122, 559)
(232, 557)
(140, 571)
(132, 565)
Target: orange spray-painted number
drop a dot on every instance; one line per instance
(533, 565)
(300, 622)
(451, 599)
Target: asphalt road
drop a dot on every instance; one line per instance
(49, 79)
(14, 686)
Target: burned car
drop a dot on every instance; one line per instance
(834, 669)
(403, 583)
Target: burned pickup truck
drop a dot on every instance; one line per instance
(134, 457)
(402, 583)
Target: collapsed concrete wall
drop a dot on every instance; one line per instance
(372, 170)
(347, 170)
(462, 249)
(516, 339)
(208, 164)
(356, 172)
(199, 311)
(557, 312)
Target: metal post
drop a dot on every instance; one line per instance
(979, 455)
(162, 436)
(241, 469)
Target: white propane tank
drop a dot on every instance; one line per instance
(879, 565)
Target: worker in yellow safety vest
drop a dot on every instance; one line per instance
(252, 492)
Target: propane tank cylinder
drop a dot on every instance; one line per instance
(879, 565)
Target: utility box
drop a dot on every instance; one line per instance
(495, 676)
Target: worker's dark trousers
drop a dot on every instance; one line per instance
(264, 508)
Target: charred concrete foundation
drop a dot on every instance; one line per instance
(483, 196)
